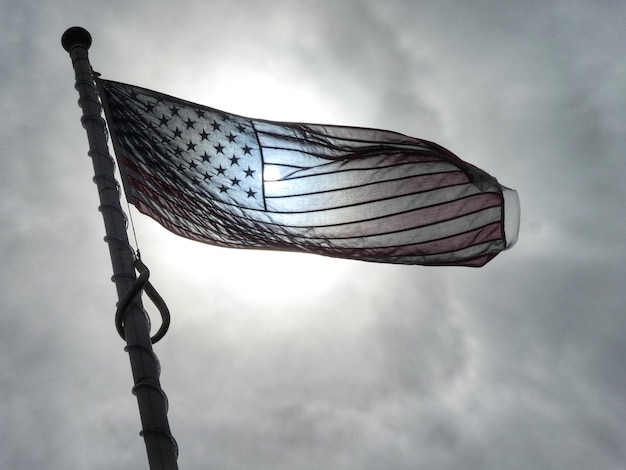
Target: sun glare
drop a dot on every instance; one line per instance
(275, 277)
(271, 277)
(263, 96)
(271, 173)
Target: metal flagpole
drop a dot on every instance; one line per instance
(160, 445)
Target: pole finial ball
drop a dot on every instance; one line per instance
(76, 36)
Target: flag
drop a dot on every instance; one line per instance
(345, 192)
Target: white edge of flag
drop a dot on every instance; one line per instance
(512, 214)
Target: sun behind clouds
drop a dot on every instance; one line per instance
(271, 277)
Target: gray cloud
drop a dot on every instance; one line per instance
(517, 365)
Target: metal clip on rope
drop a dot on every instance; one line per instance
(140, 284)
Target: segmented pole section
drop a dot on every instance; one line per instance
(160, 446)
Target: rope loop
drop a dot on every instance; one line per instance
(142, 284)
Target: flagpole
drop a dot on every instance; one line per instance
(160, 445)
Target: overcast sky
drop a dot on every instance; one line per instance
(287, 361)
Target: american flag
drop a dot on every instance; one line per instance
(345, 192)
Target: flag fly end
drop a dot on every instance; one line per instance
(512, 215)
